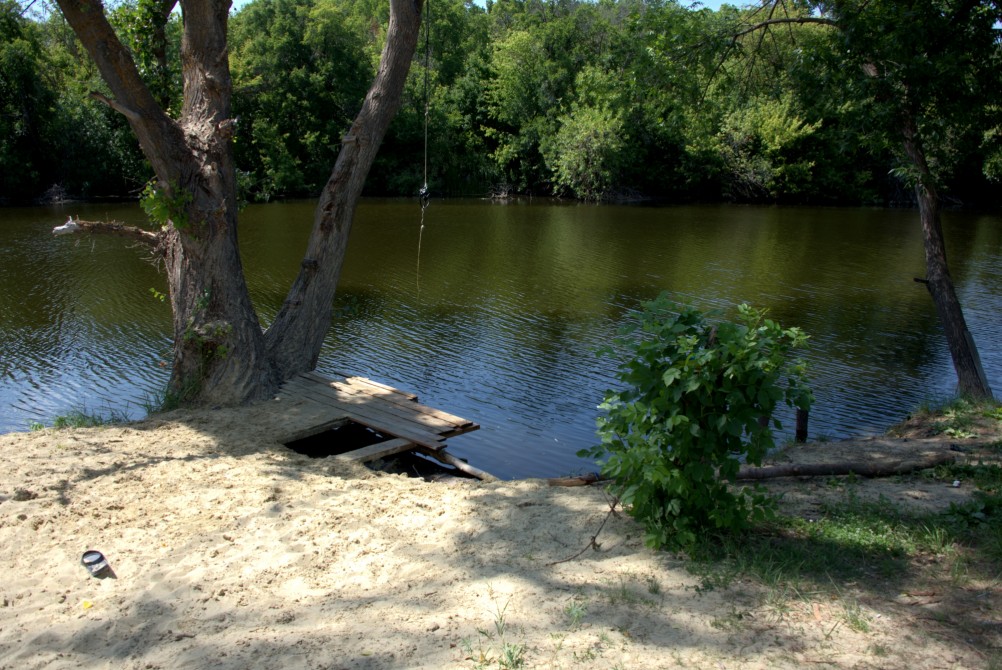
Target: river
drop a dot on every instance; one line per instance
(494, 311)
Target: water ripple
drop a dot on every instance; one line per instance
(502, 321)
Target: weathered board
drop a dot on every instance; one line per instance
(312, 404)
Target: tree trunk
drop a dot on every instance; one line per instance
(221, 355)
(966, 362)
(295, 337)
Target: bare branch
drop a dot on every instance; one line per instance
(127, 112)
(109, 228)
(820, 20)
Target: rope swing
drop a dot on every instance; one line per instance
(423, 194)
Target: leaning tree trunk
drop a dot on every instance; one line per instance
(295, 337)
(221, 355)
(966, 362)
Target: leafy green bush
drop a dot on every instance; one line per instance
(698, 396)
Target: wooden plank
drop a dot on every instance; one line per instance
(353, 398)
(370, 382)
(389, 394)
(411, 411)
(378, 450)
(362, 385)
(407, 401)
(314, 429)
(396, 397)
(367, 414)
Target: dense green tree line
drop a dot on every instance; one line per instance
(593, 100)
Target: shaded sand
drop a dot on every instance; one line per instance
(230, 551)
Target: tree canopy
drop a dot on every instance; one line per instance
(592, 100)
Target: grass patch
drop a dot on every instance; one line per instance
(82, 419)
(494, 647)
(575, 611)
(872, 544)
(168, 399)
(960, 418)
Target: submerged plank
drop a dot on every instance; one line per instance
(378, 450)
(461, 465)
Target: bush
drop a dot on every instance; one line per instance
(698, 397)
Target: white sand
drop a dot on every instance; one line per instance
(230, 551)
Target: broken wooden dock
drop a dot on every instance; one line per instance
(313, 404)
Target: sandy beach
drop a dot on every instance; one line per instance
(228, 550)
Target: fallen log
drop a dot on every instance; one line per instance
(870, 469)
(447, 458)
(580, 480)
(876, 468)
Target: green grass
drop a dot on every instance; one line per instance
(167, 399)
(871, 544)
(575, 611)
(81, 419)
(958, 416)
(496, 648)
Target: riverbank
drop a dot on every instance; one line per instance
(230, 551)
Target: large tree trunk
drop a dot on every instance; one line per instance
(966, 362)
(221, 355)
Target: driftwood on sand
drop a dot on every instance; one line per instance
(870, 468)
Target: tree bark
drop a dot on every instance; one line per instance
(221, 354)
(966, 361)
(295, 337)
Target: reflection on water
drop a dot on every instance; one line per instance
(499, 319)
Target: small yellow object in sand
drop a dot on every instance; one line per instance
(87, 604)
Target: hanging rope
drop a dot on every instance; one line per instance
(423, 193)
(427, 101)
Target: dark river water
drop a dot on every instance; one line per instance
(497, 314)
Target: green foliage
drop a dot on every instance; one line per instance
(165, 205)
(300, 75)
(588, 100)
(760, 143)
(23, 99)
(153, 34)
(51, 131)
(586, 153)
(697, 397)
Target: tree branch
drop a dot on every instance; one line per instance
(820, 20)
(117, 228)
(127, 112)
(159, 136)
(868, 468)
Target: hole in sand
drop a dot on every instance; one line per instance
(349, 436)
(338, 440)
